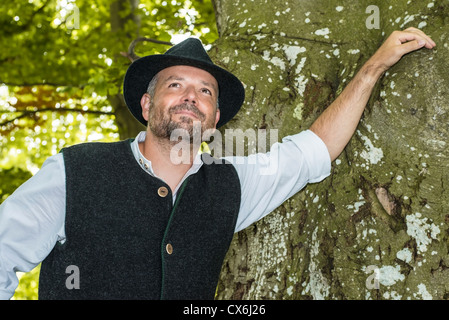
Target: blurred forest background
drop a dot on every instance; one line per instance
(61, 74)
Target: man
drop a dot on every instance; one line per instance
(122, 221)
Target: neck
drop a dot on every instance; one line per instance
(170, 159)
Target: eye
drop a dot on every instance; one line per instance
(206, 91)
(174, 85)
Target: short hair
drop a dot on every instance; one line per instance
(152, 85)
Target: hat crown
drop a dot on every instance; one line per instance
(190, 48)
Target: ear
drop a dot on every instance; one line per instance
(145, 104)
(217, 116)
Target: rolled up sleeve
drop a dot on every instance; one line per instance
(315, 154)
(268, 179)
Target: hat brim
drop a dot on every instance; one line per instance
(141, 71)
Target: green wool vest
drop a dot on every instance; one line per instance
(125, 239)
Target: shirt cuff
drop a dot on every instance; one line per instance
(5, 295)
(318, 157)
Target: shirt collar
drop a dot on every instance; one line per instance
(145, 164)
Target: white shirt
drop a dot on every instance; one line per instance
(32, 218)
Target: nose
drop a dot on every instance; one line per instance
(190, 95)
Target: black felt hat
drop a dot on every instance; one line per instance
(189, 52)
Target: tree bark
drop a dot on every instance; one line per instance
(377, 227)
(127, 125)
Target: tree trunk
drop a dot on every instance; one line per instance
(128, 126)
(377, 227)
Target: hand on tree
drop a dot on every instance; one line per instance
(397, 45)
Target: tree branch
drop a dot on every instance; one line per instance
(29, 23)
(32, 84)
(31, 112)
(131, 55)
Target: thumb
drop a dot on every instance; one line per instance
(412, 46)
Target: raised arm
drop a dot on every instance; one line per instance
(336, 125)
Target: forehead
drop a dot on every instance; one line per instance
(188, 73)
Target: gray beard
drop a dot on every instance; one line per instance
(162, 126)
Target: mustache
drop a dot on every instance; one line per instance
(188, 107)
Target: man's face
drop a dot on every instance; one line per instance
(183, 94)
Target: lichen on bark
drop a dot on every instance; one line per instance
(377, 228)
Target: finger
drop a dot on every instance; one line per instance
(426, 37)
(412, 29)
(430, 42)
(411, 46)
(410, 36)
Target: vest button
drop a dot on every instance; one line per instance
(169, 248)
(162, 192)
